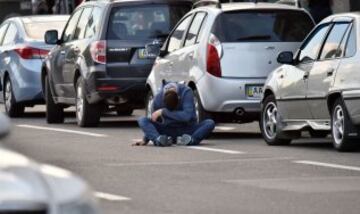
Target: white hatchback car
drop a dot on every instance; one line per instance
(225, 54)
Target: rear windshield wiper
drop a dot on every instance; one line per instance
(255, 37)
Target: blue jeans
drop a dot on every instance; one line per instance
(198, 132)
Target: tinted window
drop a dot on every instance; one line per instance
(311, 47)
(144, 22)
(37, 30)
(70, 28)
(176, 38)
(194, 29)
(351, 45)
(93, 25)
(83, 21)
(10, 36)
(263, 26)
(332, 48)
(2, 32)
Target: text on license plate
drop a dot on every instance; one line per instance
(254, 91)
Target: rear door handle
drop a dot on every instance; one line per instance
(330, 72)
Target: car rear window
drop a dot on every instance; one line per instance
(144, 22)
(263, 26)
(37, 30)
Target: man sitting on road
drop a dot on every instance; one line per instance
(173, 119)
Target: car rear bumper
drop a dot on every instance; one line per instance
(352, 102)
(227, 95)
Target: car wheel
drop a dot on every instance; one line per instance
(269, 123)
(12, 108)
(149, 100)
(201, 114)
(87, 115)
(340, 127)
(125, 112)
(54, 112)
(318, 134)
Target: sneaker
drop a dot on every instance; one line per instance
(163, 141)
(184, 140)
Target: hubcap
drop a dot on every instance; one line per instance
(8, 95)
(270, 120)
(149, 106)
(79, 103)
(338, 125)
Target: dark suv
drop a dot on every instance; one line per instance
(101, 62)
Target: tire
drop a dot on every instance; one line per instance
(12, 108)
(125, 111)
(149, 104)
(54, 112)
(201, 114)
(87, 115)
(341, 127)
(269, 123)
(318, 134)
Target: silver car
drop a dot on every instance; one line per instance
(22, 50)
(318, 90)
(225, 54)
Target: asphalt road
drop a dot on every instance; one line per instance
(232, 172)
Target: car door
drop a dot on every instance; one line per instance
(171, 62)
(61, 55)
(188, 61)
(74, 50)
(322, 73)
(293, 88)
(3, 29)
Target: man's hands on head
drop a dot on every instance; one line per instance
(156, 115)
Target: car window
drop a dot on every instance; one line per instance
(83, 21)
(312, 45)
(70, 28)
(262, 26)
(143, 22)
(178, 34)
(92, 26)
(351, 46)
(37, 30)
(194, 29)
(11, 34)
(332, 48)
(3, 29)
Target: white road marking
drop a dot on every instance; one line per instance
(224, 128)
(329, 165)
(111, 197)
(232, 152)
(61, 130)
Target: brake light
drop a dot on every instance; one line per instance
(214, 53)
(31, 53)
(107, 88)
(98, 51)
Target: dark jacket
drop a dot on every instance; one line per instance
(184, 114)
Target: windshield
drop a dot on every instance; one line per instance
(37, 30)
(263, 26)
(144, 22)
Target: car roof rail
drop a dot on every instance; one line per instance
(204, 3)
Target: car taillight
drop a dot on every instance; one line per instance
(98, 51)
(214, 54)
(31, 53)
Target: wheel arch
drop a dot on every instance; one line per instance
(331, 98)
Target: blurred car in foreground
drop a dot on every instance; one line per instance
(318, 90)
(225, 54)
(22, 50)
(29, 187)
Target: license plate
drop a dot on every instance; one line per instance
(254, 91)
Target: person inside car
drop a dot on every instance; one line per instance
(173, 119)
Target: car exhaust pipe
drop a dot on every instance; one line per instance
(239, 112)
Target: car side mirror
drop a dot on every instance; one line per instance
(152, 50)
(4, 126)
(52, 37)
(286, 58)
